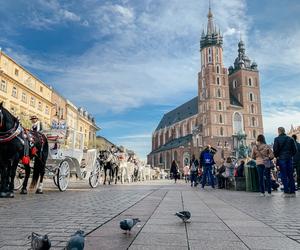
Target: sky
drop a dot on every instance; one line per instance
(130, 61)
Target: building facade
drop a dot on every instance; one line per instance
(23, 94)
(226, 114)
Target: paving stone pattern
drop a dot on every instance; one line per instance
(220, 219)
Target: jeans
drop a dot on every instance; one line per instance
(193, 178)
(287, 170)
(207, 172)
(263, 173)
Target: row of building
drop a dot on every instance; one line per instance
(24, 95)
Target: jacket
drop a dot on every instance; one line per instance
(284, 147)
(261, 153)
(296, 158)
(202, 163)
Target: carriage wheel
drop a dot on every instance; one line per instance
(55, 180)
(19, 178)
(95, 175)
(63, 175)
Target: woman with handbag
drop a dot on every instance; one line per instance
(263, 155)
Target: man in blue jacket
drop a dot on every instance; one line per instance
(206, 162)
(284, 149)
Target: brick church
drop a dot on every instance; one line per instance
(226, 114)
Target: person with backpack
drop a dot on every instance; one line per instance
(296, 161)
(194, 164)
(284, 149)
(206, 162)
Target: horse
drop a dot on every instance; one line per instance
(110, 163)
(14, 146)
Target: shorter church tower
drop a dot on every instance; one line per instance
(245, 87)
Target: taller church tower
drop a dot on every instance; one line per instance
(213, 89)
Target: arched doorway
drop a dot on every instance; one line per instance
(238, 126)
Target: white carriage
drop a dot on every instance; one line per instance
(72, 160)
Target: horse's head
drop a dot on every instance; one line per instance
(7, 120)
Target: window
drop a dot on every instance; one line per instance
(251, 97)
(253, 122)
(250, 82)
(234, 84)
(219, 93)
(40, 106)
(16, 72)
(221, 131)
(218, 81)
(237, 123)
(220, 119)
(24, 97)
(217, 55)
(218, 69)
(14, 92)
(32, 102)
(41, 89)
(209, 55)
(3, 86)
(220, 106)
(252, 109)
(254, 133)
(47, 110)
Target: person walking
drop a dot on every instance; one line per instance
(263, 155)
(186, 171)
(284, 149)
(174, 170)
(194, 164)
(206, 162)
(296, 161)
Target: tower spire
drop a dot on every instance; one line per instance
(210, 23)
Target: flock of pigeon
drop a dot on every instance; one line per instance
(76, 242)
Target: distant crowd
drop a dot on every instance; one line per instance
(277, 166)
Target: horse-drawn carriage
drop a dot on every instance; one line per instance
(64, 162)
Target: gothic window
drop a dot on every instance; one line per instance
(254, 133)
(160, 158)
(234, 84)
(217, 55)
(253, 122)
(218, 80)
(251, 97)
(221, 131)
(220, 106)
(218, 69)
(237, 123)
(250, 82)
(252, 108)
(209, 55)
(219, 93)
(220, 119)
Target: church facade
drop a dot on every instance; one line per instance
(226, 114)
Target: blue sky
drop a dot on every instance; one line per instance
(130, 61)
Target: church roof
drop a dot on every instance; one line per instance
(175, 143)
(234, 101)
(180, 113)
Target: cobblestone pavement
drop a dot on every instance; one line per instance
(220, 219)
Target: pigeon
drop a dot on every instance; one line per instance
(39, 242)
(76, 241)
(184, 215)
(128, 224)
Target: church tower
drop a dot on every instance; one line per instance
(213, 89)
(245, 87)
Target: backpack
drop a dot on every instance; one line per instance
(193, 167)
(208, 158)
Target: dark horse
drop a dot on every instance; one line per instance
(15, 146)
(109, 163)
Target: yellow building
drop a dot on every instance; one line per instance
(23, 93)
(81, 127)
